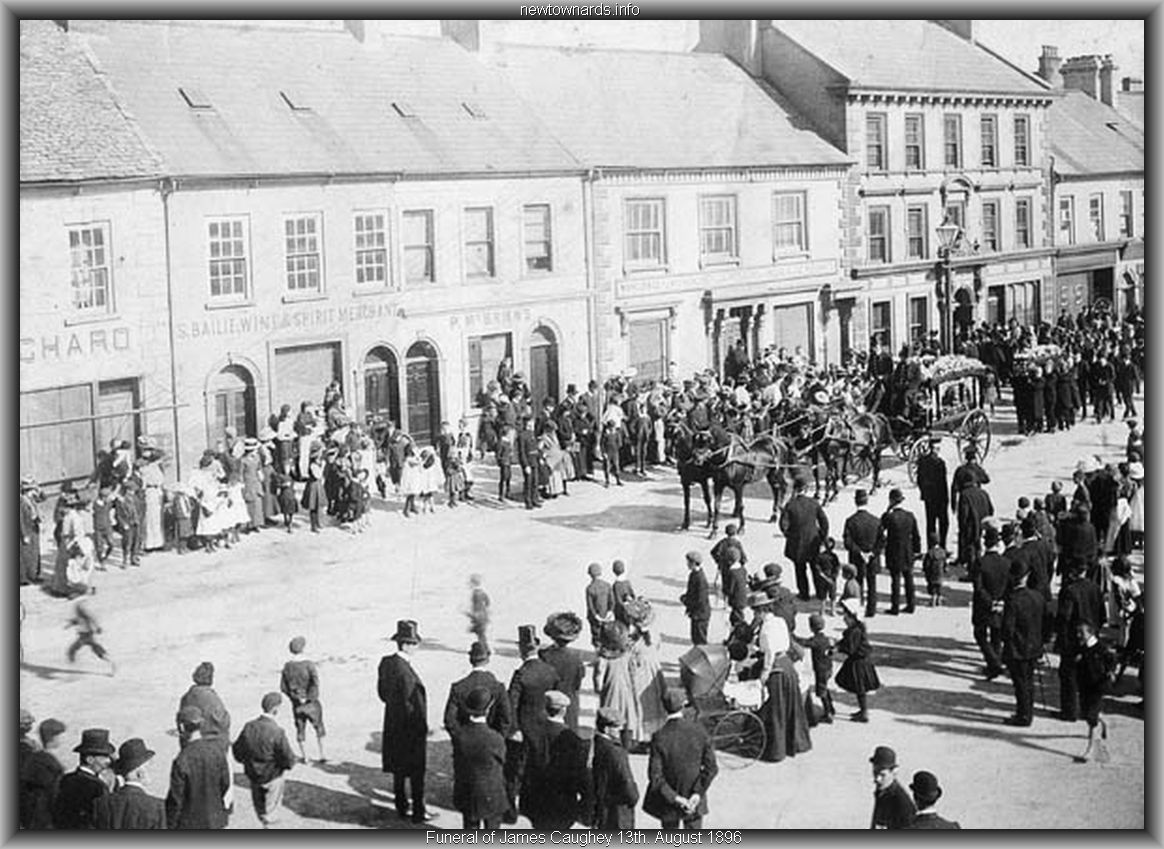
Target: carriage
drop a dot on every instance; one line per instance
(725, 708)
(951, 407)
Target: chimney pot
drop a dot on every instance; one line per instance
(1049, 64)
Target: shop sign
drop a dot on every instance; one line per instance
(486, 319)
(58, 347)
(328, 318)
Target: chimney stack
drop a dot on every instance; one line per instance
(962, 29)
(357, 29)
(1049, 64)
(739, 40)
(1107, 92)
(1081, 73)
(1132, 84)
(465, 33)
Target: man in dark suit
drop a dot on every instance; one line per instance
(404, 749)
(1023, 622)
(991, 581)
(83, 786)
(615, 790)
(199, 778)
(680, 769)
(527, 698)
(900, 541)
(735, 589)
(860, 541)
(266, 755)
(499, 716)
(1080, 601)
(599, 601)
(529, 458)
(563, 628)
(40, 778)
(695, 600)
(973, 507)
(964, 474)
(804, 525)
(926, 793)
(556, 792)
(1033, 554)
(479, 763)
(935, 492)
(1078, 544)
(892, 807)
(129, 806)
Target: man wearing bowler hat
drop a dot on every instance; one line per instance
(200, 782)
(860, 541)
(926, 792)
(527, 698)
(892, 807)
(680, 768)
(404, 749)
(83, 786)
(935, 491)
(130, 807)
(479, 763)
(500, 714)
(900, 540)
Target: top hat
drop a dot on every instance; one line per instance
(563, 627)
(478, 701)
(478, 652)
(132, 754)
(884, 758)
(527, 638)
(925, 787)
(896, 496)
(95, 741)
(406, 632)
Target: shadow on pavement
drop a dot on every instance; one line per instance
(668, 581)
(320, 803)
(1019, 737)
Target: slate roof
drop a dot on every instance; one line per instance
(906, 54)
(1131, 105)
(1089, 137)
(656, 110)
(70, 125)
(347, 123)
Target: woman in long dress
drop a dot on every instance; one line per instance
(411, 478)
(73, 569)
(1136, 521)
(152, 478)
(632, 681)
(556, 460)
(782, 711)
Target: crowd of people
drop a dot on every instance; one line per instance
(519, 749)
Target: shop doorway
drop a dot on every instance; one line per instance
(422, 375)
(382, 384)
(543, 365)
(231, 402)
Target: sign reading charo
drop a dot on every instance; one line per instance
(301, 319)
(76, 345)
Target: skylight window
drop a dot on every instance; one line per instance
(296, 102)
(195, 98)
(474, 110)
(403, 109)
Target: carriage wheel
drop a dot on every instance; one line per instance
(916, 449)
(739, 733)
(860, 466)
(975, 431)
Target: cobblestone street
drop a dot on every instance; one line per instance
(344, 593)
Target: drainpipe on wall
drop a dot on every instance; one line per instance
(167, 187)
(591, 283)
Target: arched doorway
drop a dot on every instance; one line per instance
(543, 365)
(382, 384)
(422, 373)
(230, 402)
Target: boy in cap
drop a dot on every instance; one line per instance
(128, 509)
(926, 792)
(87, 628)
(695, 599)
(622, 591)
(892, 807)
(615, 790)
(719, 552)
(200, 784)
(821, 648)
(103, 506)
(556, 793)
(263, 750)
(40, 778)
(479, 764)
(79, 789)
(129, 807)
(299, 682)
(826, 566)
(404, 751)
(934, 570)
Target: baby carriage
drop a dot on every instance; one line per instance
(727, 709)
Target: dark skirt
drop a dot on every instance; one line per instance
(783, 714)
(858, 675)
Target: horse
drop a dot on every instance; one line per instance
(818, 439)
(638, 430)
(687, 443)
(869, 435)
(742, 464)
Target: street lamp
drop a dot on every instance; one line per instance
(948, 233)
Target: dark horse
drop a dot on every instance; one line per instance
(821, 441)
(687, 443)
(738, 464)
(869, 434)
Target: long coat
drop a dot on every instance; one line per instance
(804, 525)
(556, 792)
(681, 763)
(215, 716)
(615, 790)
(899, 539)
(129, 808)
(500, 715)
(1023, 625)
(571, 669)
(931, 479)
(479, 772)
(40, 779)
(73, 808)
(199, 780)
(527, 697)
(405, 716)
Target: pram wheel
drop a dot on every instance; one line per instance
(739, 733)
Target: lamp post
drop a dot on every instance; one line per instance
(826, 304)
(948, 233)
